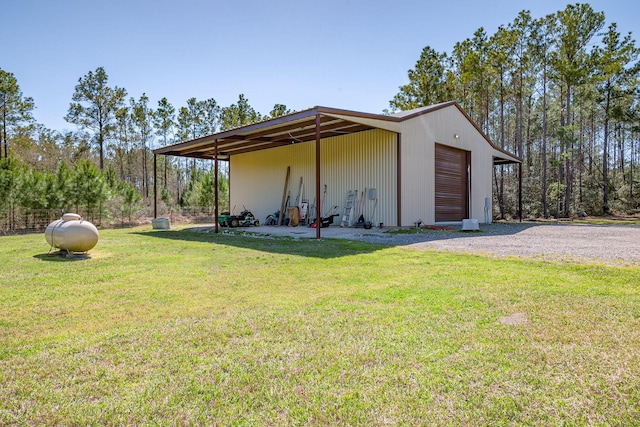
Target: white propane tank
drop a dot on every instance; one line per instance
(71, 233)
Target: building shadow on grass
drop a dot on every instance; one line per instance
(336, 242)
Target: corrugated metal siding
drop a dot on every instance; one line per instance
(350, 162)
(361, 161)
(257, 179)
(417, 158)
(419, 137)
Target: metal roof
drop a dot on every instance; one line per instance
(301, 127)
(290, 129)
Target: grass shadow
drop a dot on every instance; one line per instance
(62, 256)
(325, 248)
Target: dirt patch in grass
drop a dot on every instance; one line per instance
(514, 319)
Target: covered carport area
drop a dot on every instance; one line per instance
(308, 126)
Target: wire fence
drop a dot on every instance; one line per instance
(23, 220)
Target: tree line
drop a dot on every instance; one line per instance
(110, 151)
(560, 91)
(31, 197)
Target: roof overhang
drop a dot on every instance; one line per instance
(301, 127)
(505, 160)
(281, 131)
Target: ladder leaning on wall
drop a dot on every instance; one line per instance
(349, 206)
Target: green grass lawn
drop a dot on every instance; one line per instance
(609, 221)
(179, 327)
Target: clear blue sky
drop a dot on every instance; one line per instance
(351, 54)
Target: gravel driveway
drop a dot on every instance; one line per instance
(608, 243)
(567, 241)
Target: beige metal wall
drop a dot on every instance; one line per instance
(368, 159)
(351, 162)
(419, 136)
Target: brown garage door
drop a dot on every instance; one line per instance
(452, 197)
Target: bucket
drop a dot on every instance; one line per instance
(161, 223)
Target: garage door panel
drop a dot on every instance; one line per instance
(451, 195)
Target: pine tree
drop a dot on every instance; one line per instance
(14, 109)
(94, 106)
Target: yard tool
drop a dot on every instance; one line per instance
(272, 219)
(299, 196)
(303, 204)
(223, 219)
(284, 194)
(360, 222)
(327, 219)
(285, 220)
(293, 213)
(245, 219)
(304, 210)
(369, 224)
(311, 218)
(313, 208)
(324, 198)
(372, 196)
(293, 216)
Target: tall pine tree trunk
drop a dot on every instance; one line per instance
(101, 144)
(605, 156)
(3, 142)
(631, 171)
(500, 186)
(568, 156)
(145, 170)
(543, 154)
(164, 183)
